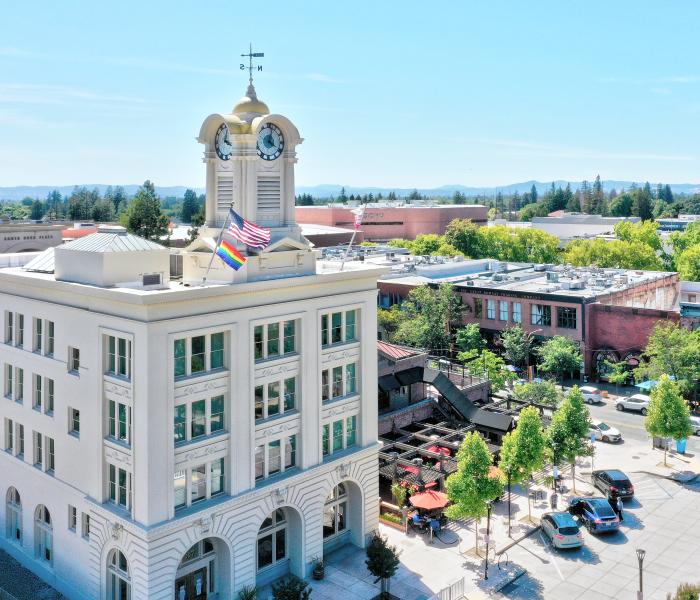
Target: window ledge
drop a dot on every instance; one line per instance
(119, 444)
(271, 359)
(75, 434)
(289, 413)
(341, 399)
(202, 440)
(213, 374)
(277, 477)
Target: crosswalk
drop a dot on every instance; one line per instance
(648, 488)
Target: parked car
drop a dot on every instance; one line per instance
(591, 395)
(595, 514)
(695, 424)
(613, 483)
(604, 432)
(638, 402)
(562, 529)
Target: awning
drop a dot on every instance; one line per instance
(410, 376)
(492, 420)
(388, 383)
(429, 500)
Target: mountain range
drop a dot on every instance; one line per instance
(327, 190)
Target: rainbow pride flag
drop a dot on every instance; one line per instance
(232, 257)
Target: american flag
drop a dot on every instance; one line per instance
(359, 213)
(248, 233)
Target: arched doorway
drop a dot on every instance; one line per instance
(204, 571)
(43, 535)
(278, 551)
(603, 361)
(13, 515)
(342, 517)
(118, 579)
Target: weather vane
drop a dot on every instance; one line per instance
(251, 55)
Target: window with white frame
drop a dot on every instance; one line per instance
(503, 310)
(491, 309)
(338, 327)
(118, 580)
(73, 360)
(19, 392)
(199, 482)
(118, 361)
(119, 490)
(541, 314)
(49, 395)
(9, 372)
(517, 314)
(72, 518)
(339, 381)
(9, 435)
(50, 455)
(276, 339)
(9, 327)
(37, 394)
(335, 512)
(37, 345)
(85, 528)
(275, 398)
(272, 540)
(19, 333)
(38, 450)
(13, 515)
(20, 440)
(275, 457)
(198, 354)
(49, 338)
(43, 535)
(199, 418)
(339, 435)
(119, 421)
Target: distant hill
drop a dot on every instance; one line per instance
(326, 190)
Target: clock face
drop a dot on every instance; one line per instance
(222, 143)
(270, 142)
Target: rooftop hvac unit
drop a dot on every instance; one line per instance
(469, 282)
(577, 284)
(540, 267)
(552, 276)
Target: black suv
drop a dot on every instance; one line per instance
(613, 483)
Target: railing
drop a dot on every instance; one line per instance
(454, 591)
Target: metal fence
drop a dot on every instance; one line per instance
(454, 591)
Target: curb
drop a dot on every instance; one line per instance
(669, 477)
(517, 576)
(518, 540)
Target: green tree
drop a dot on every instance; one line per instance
(291, 588)
(643, 203)
(522, 452)
(685, 591)
(621, 206)
(37, 212)
(672, 350)
(516, 345)
(488, 364)
(668, 414)
(643, 231)
(119, 199)
(143, 216)
(470, 488)
(617, 254)
(538, 392)
(426, 244)
(382, 561)
(54, 205)
(103, 211)
(389, 321)
(190, 206)
(567, 434)
(688, 264)
(559, 355)
(469, 339)
(616, 373)
(463, 235)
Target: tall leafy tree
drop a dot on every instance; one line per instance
(37, 212)
(488, 364)
(190, 206)
(567, 433)
(516, 345)
(469, 339)
(559, 355)
(464, 235)
(382, 561)
(471, 487)
(538, 392)
(144, 217)
(617, 254)
(688, 264)
(668, 414)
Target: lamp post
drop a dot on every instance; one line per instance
(640, 557)
(488, 532)
(508, 504)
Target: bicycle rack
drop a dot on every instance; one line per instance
(500, 558)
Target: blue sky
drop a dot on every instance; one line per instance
(394, 94)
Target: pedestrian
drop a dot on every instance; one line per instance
(618, 504)
(553, 501)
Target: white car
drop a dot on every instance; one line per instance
(604, 432)
(637, 402)
(695, 424)
(591, 395)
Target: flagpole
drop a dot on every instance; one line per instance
(352, 239)
(218, 241)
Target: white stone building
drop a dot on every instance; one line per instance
(166, 439)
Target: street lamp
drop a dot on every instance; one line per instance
(488, 532)
(640, 557)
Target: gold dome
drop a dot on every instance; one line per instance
(250, 104)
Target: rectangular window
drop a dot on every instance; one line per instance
(259, 342)
(290, 393)
(273, 398)
(216, 421)
(337, 382)
(9, 435)
(9, 371)
(350, 431)
(337, 436)
(49, 396)
(50, 338)
(478, 308)
(350, 333)
(290, 452)
(86, 526)
(324, 330)
(274, 457)
(490, 309)
(179, 354)
(72, 518)
(198, 357)
(113, 483)
(123, 432)
(273, 339)
(503, 310)
(123, 491)
(20, 440)
(180, 484)
(38, 334)
(180, 425)
(74, 423)
(118, 356)
(541, 315)
(289, 337)
(112, 428)
(336, 328)
(73, 360)
(19, 341)
(350, 378)
(50, 455)
(326, 448)
(38, 450)
(517, 315)
(19, 397)
(217, 477)
(119, 421)
(38, 395)
(216, 354)
(259, 462)
(566, 317)
(198, 483)
(9, 326)
(325, 385)
(259, 402)
(199, 419)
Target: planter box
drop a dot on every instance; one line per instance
(397, 526)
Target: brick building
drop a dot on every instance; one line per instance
(383, 222)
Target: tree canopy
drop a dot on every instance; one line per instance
(668, 414)
(538, 392)
(488, 364)
(143, 215)
(516, 345)
(559, 355)
(618, 254)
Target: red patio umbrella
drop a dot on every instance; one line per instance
(429, 500)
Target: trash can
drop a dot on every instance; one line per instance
(680, 446)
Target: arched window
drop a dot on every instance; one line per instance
(13, 515)
(272, 540)
(335, 512)
(43, 535)
(118, 581)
